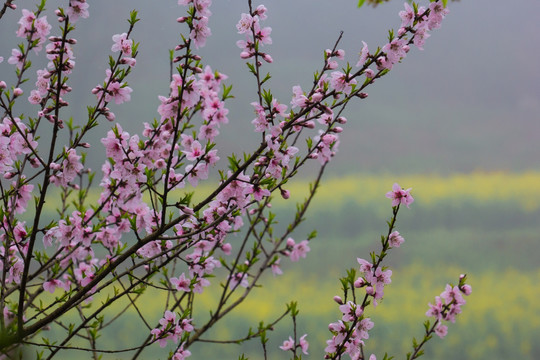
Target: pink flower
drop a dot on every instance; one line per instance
(299, 250)
(261, 12)
(441, 330)
(263, 35)
(400, 196)
(34, 98)
(122, 43)
(436, 15)
(78, 8)
(407, 16)
(364, 53)
(435, 310)
(287, 344)
(420, 37)
(181, 354)
(276, 270)
(244, 25)
(365, 266)
(202, 7)
(27, 19)
(51, 285)
(395, 50)
(200, 32)
(119, 92)
(340, 82)
(304, 344)
(466, 289)
(195, 152)
(395, 239)
(181, 283)
(452, 294)
(350, 311)
(16, 58)
(239, 279)
(257, 191)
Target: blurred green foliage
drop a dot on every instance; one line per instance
(482, 224)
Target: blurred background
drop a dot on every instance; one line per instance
(457, 122)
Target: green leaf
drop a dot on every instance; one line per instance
(360, 3)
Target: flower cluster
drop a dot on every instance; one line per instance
(177, 238)
(199, 23)
(448, 305)
(349, 333)
(34, 29)
(400, 196)
(171, 329)
(256, 36)
(291, 345)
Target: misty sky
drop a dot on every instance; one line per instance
(469, 101)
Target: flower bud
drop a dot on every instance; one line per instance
(290, 242)
(182, 19)
(317, 97)
(34, 162)
(267, 58)
(370, 290)
(3, 85)
(11, 6)
(226, 248)
(55, 166)
(466, 289)
(109, 115)
(369, 73)
(309, 124)
(341, 120)
(17, 92)
(338, 300)
(362, 95)
(285, 194)
(128, 61)
(359, 283)
(332, 64)
(337, 129)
